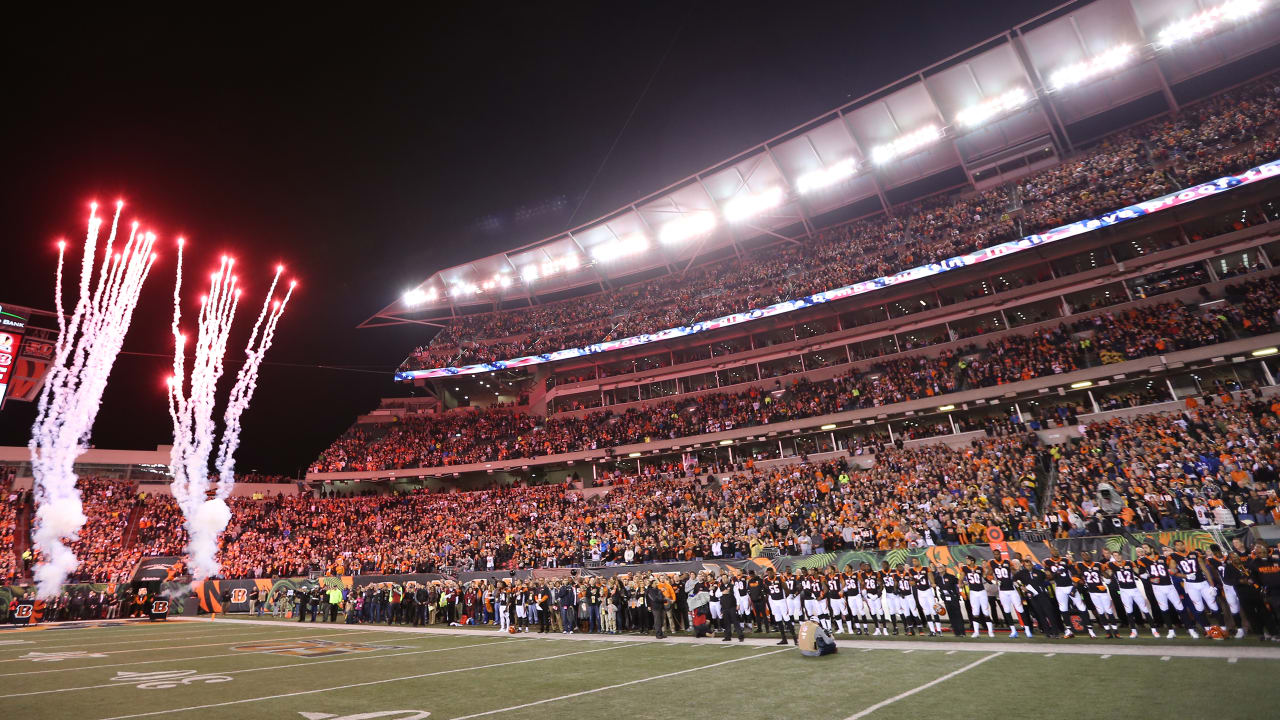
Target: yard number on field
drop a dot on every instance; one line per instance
(165, 679)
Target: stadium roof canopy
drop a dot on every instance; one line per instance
(1033, 88)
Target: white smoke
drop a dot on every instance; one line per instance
(87, 346)
(192, 411)
(210, 519)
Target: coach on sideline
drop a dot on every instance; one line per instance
(657, 602)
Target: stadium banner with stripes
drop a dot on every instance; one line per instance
(232, 596)
(1079, 227)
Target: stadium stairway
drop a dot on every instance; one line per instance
(131, 528)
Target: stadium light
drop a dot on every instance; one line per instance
(686, 227)
(625, 246)
(415, 296)
(1091, 69)
(748, 205)
(906, 144)
(826, 177)
(533, 271)
(1208, 21)
(1264, 352)
(1001, 104)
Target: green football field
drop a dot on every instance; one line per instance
(248, 669)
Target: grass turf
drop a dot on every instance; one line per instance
(494, 675)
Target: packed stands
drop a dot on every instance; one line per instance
(1227, 133)
(124, 524)
(1213, 465)
(100, 546)
(9, 562)
(666, 517)
(1161, 465)
(499, 434)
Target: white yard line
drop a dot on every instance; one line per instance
(278, 667)
(925, 686)
(615, 687)
(246, 640)
(174, 660)
(58, 629)
(160, 638)
(370, 682)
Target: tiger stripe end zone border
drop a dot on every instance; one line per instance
(311, 648)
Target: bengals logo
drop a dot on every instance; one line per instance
(1077, 623)
(239, 595)
(160, 607)
(23, 611)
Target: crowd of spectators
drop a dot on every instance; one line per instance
(471, 436)
(1212, 465)
(909, 498)
(1224, 134)
(1161, 466)
(101, 544)
(10, 562)
(106, 548)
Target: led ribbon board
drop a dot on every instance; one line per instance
(1080, 227)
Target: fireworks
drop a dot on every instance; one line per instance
(87, 346)
(192, 401)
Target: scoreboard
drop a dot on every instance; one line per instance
(13, 325)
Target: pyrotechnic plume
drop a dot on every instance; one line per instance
(192, 401)
(86, 349)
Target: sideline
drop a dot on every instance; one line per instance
(1243, 649)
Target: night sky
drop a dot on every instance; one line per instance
(366, 153)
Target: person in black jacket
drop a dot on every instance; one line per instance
(729, 612)
(304, 599)
(1035, 587)
(566, 599)
(657, 603)
(949, 595)
(542, 597)
(422, 596)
